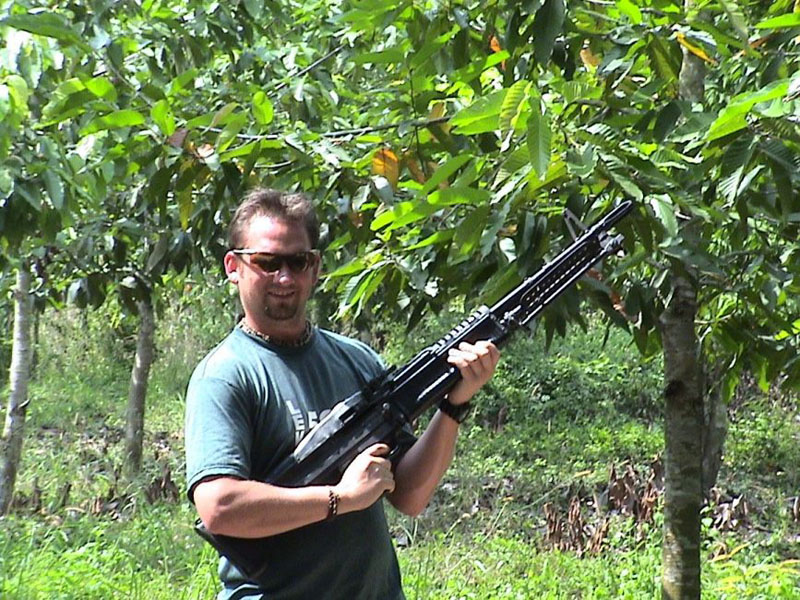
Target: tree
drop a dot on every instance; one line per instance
(11, 448)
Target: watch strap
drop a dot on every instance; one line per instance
(457, 412)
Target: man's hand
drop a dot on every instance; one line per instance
(477, 363)
(366, 479)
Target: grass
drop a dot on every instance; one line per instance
(549, 428)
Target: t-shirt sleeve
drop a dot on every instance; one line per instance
(218, 431)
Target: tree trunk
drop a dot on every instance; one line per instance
(19, 375)
(684, 433)
(37, 319)
(137, 393)
(684, 415)
(715, 431)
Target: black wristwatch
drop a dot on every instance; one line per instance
(457, 412)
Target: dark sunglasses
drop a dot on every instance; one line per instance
(271, 263)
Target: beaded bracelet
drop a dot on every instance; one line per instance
(333, 504)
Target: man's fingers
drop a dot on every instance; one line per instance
(378, 450)
(474, 360)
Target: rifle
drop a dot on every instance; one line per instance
(396, 398)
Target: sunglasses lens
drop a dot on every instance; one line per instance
(270, 263)
(297, 262)
(266, 262)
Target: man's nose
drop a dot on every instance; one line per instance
(284, 274)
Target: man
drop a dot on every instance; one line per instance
(254, 396)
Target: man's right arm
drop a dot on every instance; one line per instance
(251, 509)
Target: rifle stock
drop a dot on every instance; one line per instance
(389, 403)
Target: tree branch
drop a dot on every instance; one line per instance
(310, 67)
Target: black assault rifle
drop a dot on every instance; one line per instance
(395, 399)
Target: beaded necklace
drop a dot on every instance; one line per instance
(301, 341)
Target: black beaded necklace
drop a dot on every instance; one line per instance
(301, 341)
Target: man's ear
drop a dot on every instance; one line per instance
(231, 267)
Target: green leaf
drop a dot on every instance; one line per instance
(500, 284)
(440, 237)
(442, 173)
(538, 139)
(480, 117)
(115, 120)
(628, 185)
(6, 182)
(662, 59)
(262, 108)
(733, 117)
(50, 25)
(351, 268)
(402, 214)
(665, 121)
(783, 183)
(513, 104)
(102, 88)
(786, 21)
(5, 101)
(515, 161)
(665, 212)
(254, 7)
(736, 17)
(478, 66)
(548, 24)
(155, 262)
(556, 171)
(727, 124)
(162, 117)
(630, 10)
(738, 154)
(223, 115)
(55, 188)
(417, 213)
(469, 232)
(459, 195)
(185, 206)
(182, 80)
(387, 56)
(431, 47)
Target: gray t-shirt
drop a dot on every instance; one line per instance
(248, 405)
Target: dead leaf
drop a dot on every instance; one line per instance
(177, 139)
(205, 151)
(694, 49)
(416, 171)
(588, 58)
(386, 163)
(495, 46)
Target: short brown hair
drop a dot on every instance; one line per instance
(265, 202)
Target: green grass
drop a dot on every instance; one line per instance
(548, 428)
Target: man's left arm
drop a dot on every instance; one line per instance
(420, 470)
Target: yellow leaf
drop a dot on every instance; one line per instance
(415, 169)
(385, 163)
(494, 44)
(588, 58)
(696, 50)
(204, 151)
(437, 112)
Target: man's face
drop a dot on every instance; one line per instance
(274, 301)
